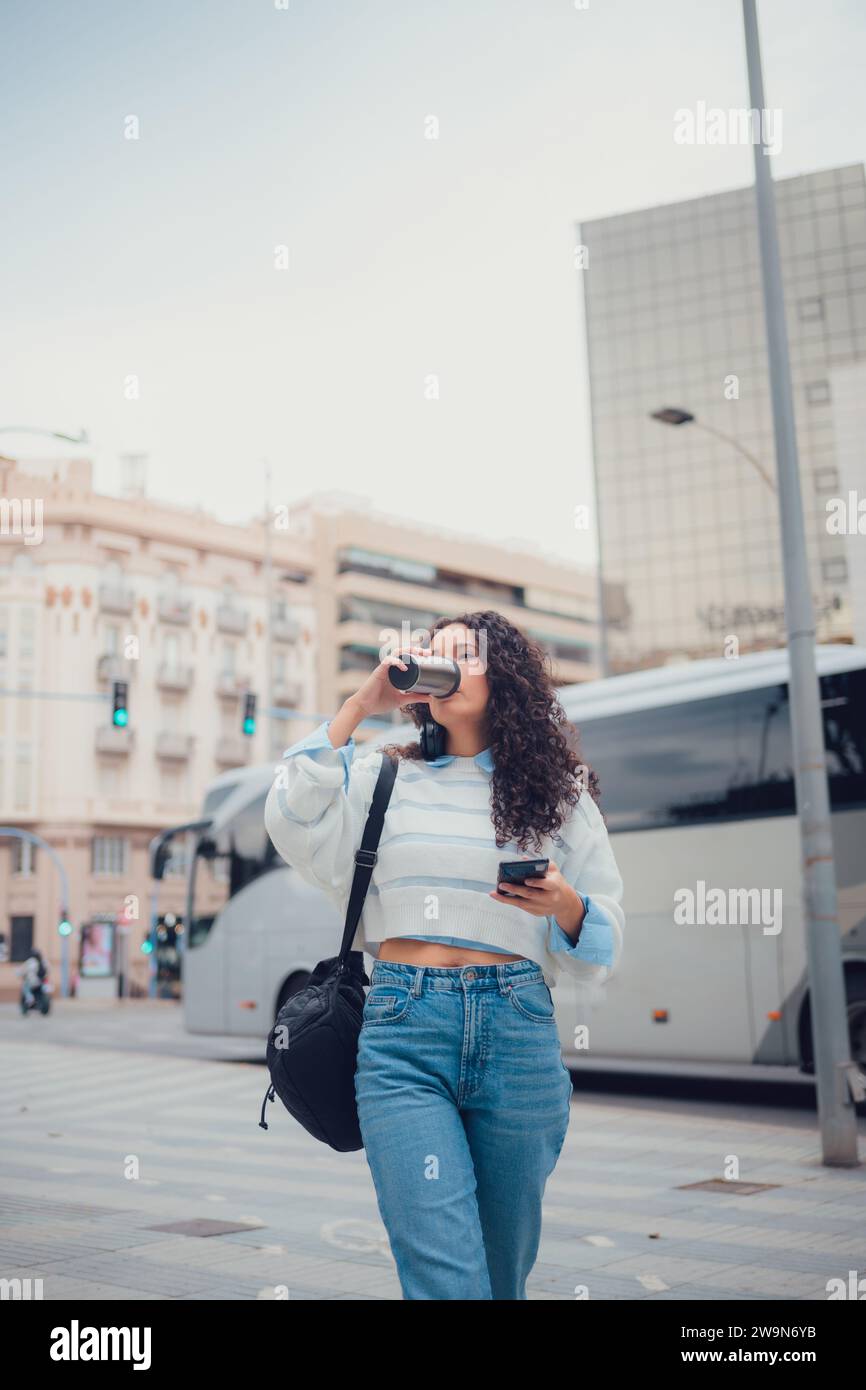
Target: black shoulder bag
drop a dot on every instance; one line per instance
(312, 1049)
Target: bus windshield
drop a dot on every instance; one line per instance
(234, 855)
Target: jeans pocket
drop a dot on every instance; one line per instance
(533, 1001)
(386, 1003)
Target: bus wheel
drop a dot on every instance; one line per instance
(857, 1023)
(855, 995)
(291, 986)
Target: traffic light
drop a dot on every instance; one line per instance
(120, 712)
(64, 926)
(249, 724)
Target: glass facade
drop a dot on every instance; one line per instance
(674, 317)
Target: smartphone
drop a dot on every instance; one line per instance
(519, 870)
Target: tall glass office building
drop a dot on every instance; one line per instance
(674, 318)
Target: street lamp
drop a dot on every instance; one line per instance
(82, 437)
(838, 1081)
(672, 415)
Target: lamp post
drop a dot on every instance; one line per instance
(838, 1082)
(50, 434)
(672, 415)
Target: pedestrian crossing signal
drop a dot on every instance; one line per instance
(249, 724)
(120, 711)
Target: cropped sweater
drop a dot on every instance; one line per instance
(437, 860)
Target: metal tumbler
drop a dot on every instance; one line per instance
(427, 675)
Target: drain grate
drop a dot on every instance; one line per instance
(204, 1226)
(742, 1189)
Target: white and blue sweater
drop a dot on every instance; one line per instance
(438, 858)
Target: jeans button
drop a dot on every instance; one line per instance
(470, 975)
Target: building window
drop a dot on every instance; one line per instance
(835, 571)
(23, 858)
(109, 778)
(24, 706)
(23, 771)
(108, 854)
(817, 392)
(173, 784)
(228, 659)
(826, 479)
(808, 310)
(26, 633)
(22, 937)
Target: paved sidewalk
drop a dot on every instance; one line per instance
(617, 1221)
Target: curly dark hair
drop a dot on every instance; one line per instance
(538, 775)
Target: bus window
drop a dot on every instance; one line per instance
(725, 758)
(241, 852)
(843, 701)
(661, 766)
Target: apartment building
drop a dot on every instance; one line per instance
(375, 572)
(175, 604)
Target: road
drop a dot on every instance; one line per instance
(116, 1123)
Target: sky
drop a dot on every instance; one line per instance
(419, 341)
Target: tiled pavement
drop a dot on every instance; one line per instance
(616, 1223)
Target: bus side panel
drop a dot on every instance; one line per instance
(302, 928)
(695, 971)
(770, 859)
(717, 981)
(849, 849)
(203, 985)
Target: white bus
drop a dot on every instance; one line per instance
(695, 770)
(696, 785)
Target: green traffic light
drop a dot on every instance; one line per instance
(121, 718)
(249, 726)
(65, 927)
(146, 947)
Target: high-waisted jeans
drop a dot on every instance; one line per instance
(463, 1102)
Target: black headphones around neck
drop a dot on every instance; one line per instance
(432, 739)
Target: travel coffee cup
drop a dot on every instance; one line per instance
(426, 675)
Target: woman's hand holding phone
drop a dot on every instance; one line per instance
(550, 896)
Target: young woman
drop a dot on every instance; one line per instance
(463, 1097)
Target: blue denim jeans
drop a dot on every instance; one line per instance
(463, 1102)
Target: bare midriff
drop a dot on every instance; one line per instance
(408, 952)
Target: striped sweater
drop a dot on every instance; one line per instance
(438, 858)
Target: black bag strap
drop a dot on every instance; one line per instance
(365, 855)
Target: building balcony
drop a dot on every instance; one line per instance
(288, 693)
(232, 750)
(174, 747)
(115, 598)
(110, 667)
(170, 676)
(231, 620)
(285, 629)
(174, 610)
(117, 742)
(231, 686)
